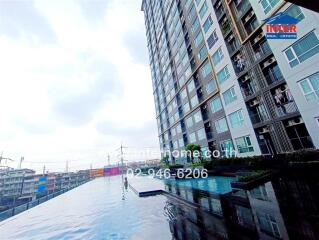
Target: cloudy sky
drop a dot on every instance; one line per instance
(74, 82)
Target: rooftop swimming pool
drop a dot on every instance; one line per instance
(212, 184)
(100, 209)
(105, 209)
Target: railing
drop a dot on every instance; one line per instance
(257, 117)
(243, 7)
(21, 208)
(251, 26)
(286, 108)
(262, 51)
(273, 76)
(219, 12)
(232, 46)
(249, 90)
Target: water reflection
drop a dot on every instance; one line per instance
(280, 209)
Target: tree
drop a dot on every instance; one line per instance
(193, 149)
(165, 160)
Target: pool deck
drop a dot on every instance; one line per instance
(146, 186)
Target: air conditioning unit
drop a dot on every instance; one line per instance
(258, 38)
(295, 121)
(263, 130)
(253, 103)
(267, 63)
(246, 78)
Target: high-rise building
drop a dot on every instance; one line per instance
(220, 83)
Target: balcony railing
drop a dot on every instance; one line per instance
(251, 26)
(258, 117)
(273, 75)
(286, 108)
(219, 12)
(242, 6)
(262, 51)
(249, 89)
(233, 46)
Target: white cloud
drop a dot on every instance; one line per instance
(62, 80)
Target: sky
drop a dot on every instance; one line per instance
(75, 83)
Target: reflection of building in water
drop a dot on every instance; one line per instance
(298, 201)
(280, 209)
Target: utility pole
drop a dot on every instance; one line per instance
(43, 169)
(20, 163)
(67, 166)
(108, 159)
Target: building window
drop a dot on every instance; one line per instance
(198, 39)
(201, 134)
(216, 104)
(183, 93)
(181, 142)
(188, 72)
(310, 87)
(206, 69)
(173, 131)
(236, 119)
(208, 22)
(192, 12)
(244, 144)
(267, 5)
(203, 10)
(202, 53)
(223, 75)
(212, 39)
(189, 122)
(226, 146)
(229, 95)
(178, 128)
(195, 25)
(194, 101)
(221, 125)
(217, 56)
(303, 49)
(192, 137)
(210, 86)
(185, 60)
(295, 12)
(186, 107)
(190, 86)
(197, 117)
(175, 144)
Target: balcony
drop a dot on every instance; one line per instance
(251, 25)
(284, 101)
(219, 11)
(283, 109)
(225, 27)
(262, 50)
(258, 117)
(232, 44)
(248, 86)
(273, 74)
(242, 6)
(240, 63)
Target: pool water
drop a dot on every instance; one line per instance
(213, 184)
(100, 209)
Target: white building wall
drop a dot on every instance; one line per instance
(309, 110)
(247, 128)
